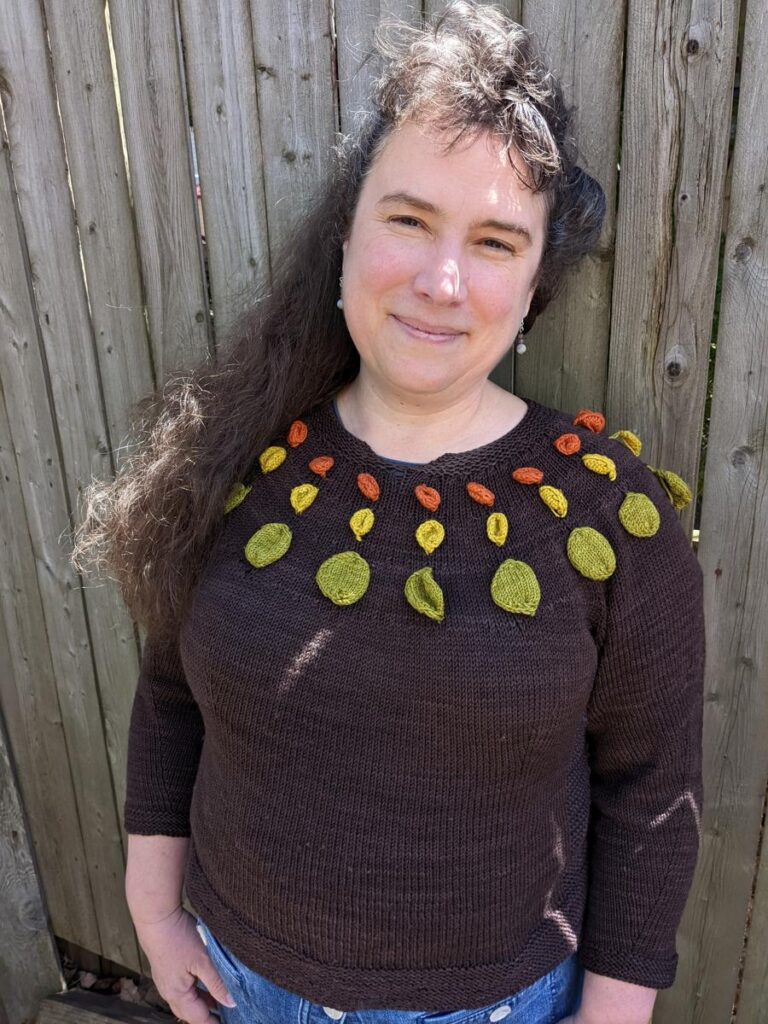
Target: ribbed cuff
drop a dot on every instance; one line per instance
(143, 822)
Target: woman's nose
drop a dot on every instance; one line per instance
(442, 280)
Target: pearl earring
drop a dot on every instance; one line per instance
(340, 301)
(520, 346)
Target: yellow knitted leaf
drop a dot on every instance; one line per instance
(361, 522)
(430, 535)
(344, 578)
(235, 496)
(272, 457)
(268, 544)
(629, 440)
(514, 588)
(677, 490)
(302, 497)
(638, 515)
(423, 593)
(600, 464)
(590, 553)
(554, 499)
(497, 527)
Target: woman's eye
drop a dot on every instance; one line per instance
(399, 220)
(501, 246)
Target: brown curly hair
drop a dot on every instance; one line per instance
(470, 71)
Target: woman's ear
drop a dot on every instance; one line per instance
(344, 245)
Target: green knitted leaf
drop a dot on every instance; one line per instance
(268, 544)
(430, 535)
(590, 553)
(497, 527)
(235, 496)
(638, 515)
(344, 578)
(515, 588)
(423, 593)
(302, 497)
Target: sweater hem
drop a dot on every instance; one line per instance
(417, 989)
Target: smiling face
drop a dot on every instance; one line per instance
(449, 243)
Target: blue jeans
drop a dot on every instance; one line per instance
(260, 1001)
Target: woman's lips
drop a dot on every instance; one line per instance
(426, 335)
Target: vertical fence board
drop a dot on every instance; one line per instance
(677, 111)
(222, 90)
(566, 363)
(355, 24)
(30, 698)
(29, 961)
(297, 105)
(86, 97)
(157, 138)
(65, 367)
(734, 556)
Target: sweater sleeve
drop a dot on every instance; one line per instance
(644, 733)
(164, 742)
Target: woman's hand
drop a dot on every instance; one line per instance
(178, 957)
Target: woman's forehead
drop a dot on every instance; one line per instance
(476, 173)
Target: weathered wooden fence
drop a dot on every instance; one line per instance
(109, 110)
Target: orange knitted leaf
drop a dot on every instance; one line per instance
(321, 464)
(568, 444)
(591, 420)
(428, 497)
(527, 475)
(369, 486)
(481, 494)
(297, 433)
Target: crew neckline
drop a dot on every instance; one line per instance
(515, 443)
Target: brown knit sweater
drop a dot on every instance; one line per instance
(421, 775)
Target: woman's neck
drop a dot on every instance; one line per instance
(398, 429)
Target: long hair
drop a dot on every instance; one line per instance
(471, 71)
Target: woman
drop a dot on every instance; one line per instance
(418, 720)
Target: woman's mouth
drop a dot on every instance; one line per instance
(417, 332)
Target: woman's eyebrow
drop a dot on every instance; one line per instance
(391, 198)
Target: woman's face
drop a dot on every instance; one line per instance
(449, 243)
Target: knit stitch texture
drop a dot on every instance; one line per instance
(421, 775)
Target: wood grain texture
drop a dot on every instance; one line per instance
(294, 61)
(219, 65)
(156, 122)
(356, 62)
(59, 438)
(733, 551)
(29, 961)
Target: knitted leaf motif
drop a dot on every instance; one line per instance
(497, 527)
(344, 578)
(368, 486)
(568, 444)
(638, 515)
(554, 499)
(527, 475)
(321, 464)
(361, 522)
(272, 457)
(481, 494)
(268, 544)
(430, 535)
(514, 588)
(297, 434)
(423, 593)
(600, 464)
(676, 489)
(428, 497)
(235, 496)
(590, 553)
(302, 497)
(590, 419)
(629, 440)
